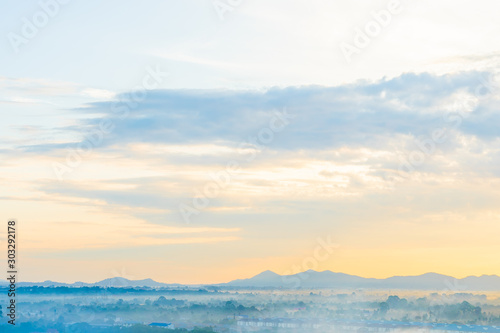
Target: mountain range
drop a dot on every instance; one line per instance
(314, 280)
(116, 282)
(331, 280)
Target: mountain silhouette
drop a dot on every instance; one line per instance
(327, 279)
(313, 280)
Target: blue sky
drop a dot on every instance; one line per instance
(392, 153)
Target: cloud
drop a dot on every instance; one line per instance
(361, 114)
(332, 167)
(344, 142)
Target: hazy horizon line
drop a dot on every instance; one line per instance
(268, 270)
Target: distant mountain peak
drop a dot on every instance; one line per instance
(434, 274)
(267, 273)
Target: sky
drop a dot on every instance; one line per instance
(202, 141)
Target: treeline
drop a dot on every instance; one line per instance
(86, 328)
(429, 311)
(63, 290)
